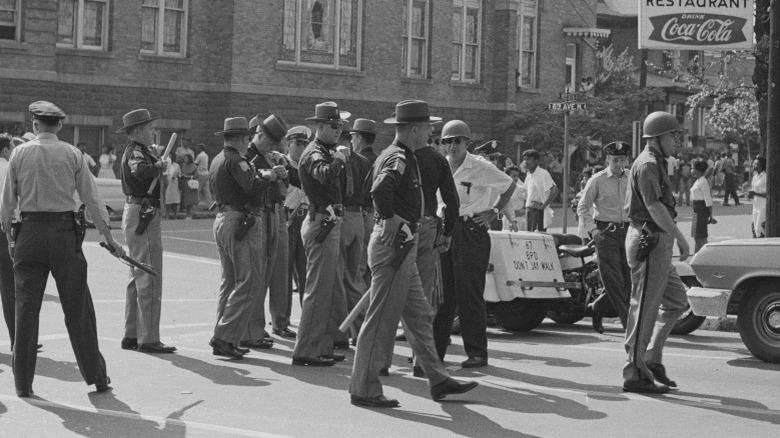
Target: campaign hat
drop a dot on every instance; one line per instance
(274, 127)
(617, 149)
(411, 111)
(46, 111)
(234, 125)
(135, 118)
(328, 112)
(299, 133)
(488, 148)
(367, 126)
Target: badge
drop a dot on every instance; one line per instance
(244, 166)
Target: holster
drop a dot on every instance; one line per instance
(145, 215)
(16, 228)
(401, 247)
(80, 225)
(647, 242)
(325, 227)
(245, 224)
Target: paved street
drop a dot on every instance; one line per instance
(555, 381)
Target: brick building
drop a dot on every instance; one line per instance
(195, 62)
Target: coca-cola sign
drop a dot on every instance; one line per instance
(697, 29)
(696, 24)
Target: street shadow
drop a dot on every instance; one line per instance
(216, 371)
(738, 407)
(333, 377)
(690, 343)
(3, 409)
(55, 369)
(504, 355)
(113, 415)
(752, 362)
(51, 298)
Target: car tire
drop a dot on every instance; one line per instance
(758, 321)
(521, 314)
(565, 317)
(689, 321)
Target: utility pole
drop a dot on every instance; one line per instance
(773, 125)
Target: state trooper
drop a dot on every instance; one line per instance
(263, 155)
(604, 219)
(363, 135)
(49, 241)
(297, 205)
(658, 296)
(319, 169)
(235, 186)
(396, 290)
(140, 173)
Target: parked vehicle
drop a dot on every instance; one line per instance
(742, 277)
(535, 275)
(111, 192)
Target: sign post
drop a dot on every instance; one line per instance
(566, 107)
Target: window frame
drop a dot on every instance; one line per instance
(102, 131)
(463, 5)
(78, 27)
(159, 34)
(407, 39)
(298, 38)
(17, 22)
(522, 13)
(571, 85)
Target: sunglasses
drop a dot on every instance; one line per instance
(435, 141)
(452, 140)
(335, 126)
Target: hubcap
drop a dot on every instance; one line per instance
(771, 319)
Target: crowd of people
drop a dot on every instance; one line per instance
(372, 235)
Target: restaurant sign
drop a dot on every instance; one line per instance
(696, 24)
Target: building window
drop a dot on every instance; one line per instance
(164, 27)
(526, 44)
(323, 33)
(571, 68)
(466, 40)
(415, 38)
(91, 136)
(9, 19)
(82, 24)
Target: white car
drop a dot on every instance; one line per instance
(111, 192)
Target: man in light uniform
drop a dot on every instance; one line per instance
(297, 205)
(541, 191)
(758, 190)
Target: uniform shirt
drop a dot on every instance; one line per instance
(233, 182)
(603, 199)
(475, 179)
(295, 196)
(319, 174)
(700, 191)
(138, 171)
(538, 185)
(275, 190)
(648, 184)
(436, 176)
(42, 176)
(360, 169)
(396, 188)
(369, 153)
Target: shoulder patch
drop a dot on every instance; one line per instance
(243, 165)
(138, 154)
(399, 166)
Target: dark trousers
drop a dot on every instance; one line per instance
(296, 260)
(7, 292)
(730, 182)
(615, 273)
(44, 247)
(535, 219)
(463, 280)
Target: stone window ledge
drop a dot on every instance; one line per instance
(164, 59)
(288, 66)
(67, 51)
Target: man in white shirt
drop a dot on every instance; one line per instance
(758, 190)
(541, 192)
(202, 161)
(465, 264)
(7, 294)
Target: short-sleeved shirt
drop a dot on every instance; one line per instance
(295, 197)
(538, 184)
(648, 184)
(202, 161)
(700, 191)
(475, 180)
(319, 174)
(604, 199)
(396, 187)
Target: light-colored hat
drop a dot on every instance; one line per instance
(411, 111)
(328, 112)
(135, 118)
(234, 125)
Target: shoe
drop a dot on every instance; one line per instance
(417, 371)
(341, 345)
(644, 386)
(383, 372)
(353, 342)
(713, 221)
(38, 347)
(737, 204)
(258, 343)
(474, 362)
(285, 333)
(321, 361)
(659, 373)
(224, 348)
(726, 205)
(335, 357)
(242, 350)
(374, 402)
(401, 337)
(451, 386)
(598, 324)
(156, 347)
(129, 343)
(102, 386)
(26, 393)
(267, 336)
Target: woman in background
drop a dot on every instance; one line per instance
(107, 159)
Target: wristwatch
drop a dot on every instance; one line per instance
(496, 211)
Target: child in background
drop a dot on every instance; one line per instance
(701, 196)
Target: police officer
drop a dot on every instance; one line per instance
(262, 154)
(604, 218)
(363, 135)
(396, 291)
(654, 280)
(297, 205)
(50, 241)
(321, 164)
(140, 174)
(235, 184)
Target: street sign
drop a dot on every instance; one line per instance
(566, 106)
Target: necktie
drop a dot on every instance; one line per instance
(350, 180)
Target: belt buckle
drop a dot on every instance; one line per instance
(338, 209)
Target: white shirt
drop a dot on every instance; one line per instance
(671, 165)
(700, 191)
(538, 184)
(475, 180)
(295, 196)
(202, 161)
(759, 186)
